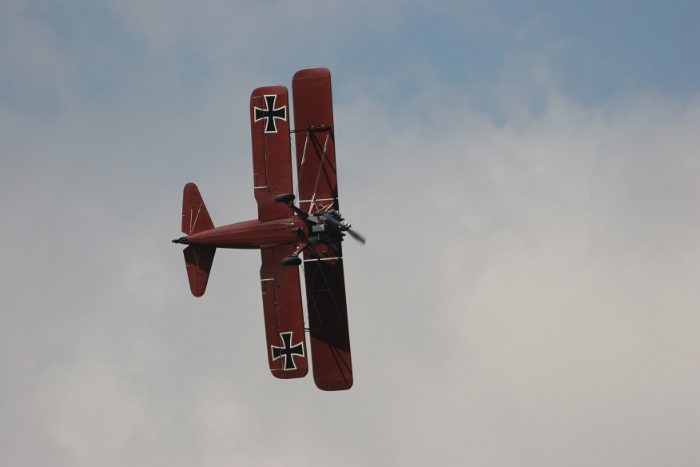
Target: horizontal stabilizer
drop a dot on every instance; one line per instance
(198, 260)
(195, 217)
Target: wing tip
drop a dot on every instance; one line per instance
(300, 372)
(312, 73)
(334, 384)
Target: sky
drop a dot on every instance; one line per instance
(526, 173)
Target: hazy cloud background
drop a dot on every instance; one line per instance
(526, 173)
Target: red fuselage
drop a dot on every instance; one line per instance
(250, 234)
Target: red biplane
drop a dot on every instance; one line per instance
(284, 231)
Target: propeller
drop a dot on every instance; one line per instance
(345, 227)
(288, 199)
(357, 236)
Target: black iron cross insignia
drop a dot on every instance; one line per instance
(270, 113)
(287, 351)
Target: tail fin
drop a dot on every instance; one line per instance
(198, 260)
(195, 217)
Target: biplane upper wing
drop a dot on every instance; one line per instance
(281, 290)
(323, 264)
(284, 317)
(272, 160)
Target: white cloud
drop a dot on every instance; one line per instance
(549, 294)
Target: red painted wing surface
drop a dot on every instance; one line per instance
(323, 264)
(284, 318)
(272, 160)
(328, 324)
(281, 290)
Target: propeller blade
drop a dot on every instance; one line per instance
(357, 236)
(345, 228)
(331, 219)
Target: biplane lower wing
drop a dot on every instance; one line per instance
(323, 264)
(328, 323)
(284, 318)
(315, 140)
